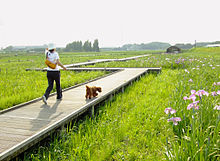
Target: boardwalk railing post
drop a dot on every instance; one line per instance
(62, 128)
(92, 111)
(122, 89)
(159, 71)
(110, 97)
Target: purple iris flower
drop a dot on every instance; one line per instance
(216, 84)
(217, 107)
(186, 71)
(200, 93)
(191, 97)
(169, 110)
(193, 105)
(190, 80)
(214, 93)
(175, 120)
(193, 91)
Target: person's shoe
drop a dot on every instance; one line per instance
(44, 99)
(59, 99)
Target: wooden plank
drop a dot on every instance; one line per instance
(7, 144)
(25, 126)
(7, 139)
(12, 136)
(2, 149)
(16, 131)
(8, 118)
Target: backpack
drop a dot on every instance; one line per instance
(49, 63)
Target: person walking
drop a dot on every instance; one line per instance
(53, 74)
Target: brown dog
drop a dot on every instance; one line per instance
(92, 91)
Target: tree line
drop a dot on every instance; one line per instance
(79, 46)
(75, 46)
(142, 46)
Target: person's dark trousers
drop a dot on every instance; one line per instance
(51, 77)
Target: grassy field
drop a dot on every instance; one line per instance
(170, 116)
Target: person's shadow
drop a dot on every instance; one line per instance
(43, 119)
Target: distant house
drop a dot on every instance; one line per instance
(213, 45)
(173, 49)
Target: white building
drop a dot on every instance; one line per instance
(213, 45)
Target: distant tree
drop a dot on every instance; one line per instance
(79, 46)
(184, 46)
(74, 46)
(87, 46)
(216, 42)
(9, 48)
(96, 45)
(149, 46)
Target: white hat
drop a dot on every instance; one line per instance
(51, 46)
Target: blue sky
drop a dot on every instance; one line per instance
(112, 22)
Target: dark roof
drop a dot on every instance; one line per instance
(172, 49)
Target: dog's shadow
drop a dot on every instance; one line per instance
(91, 99)
(44, 116)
